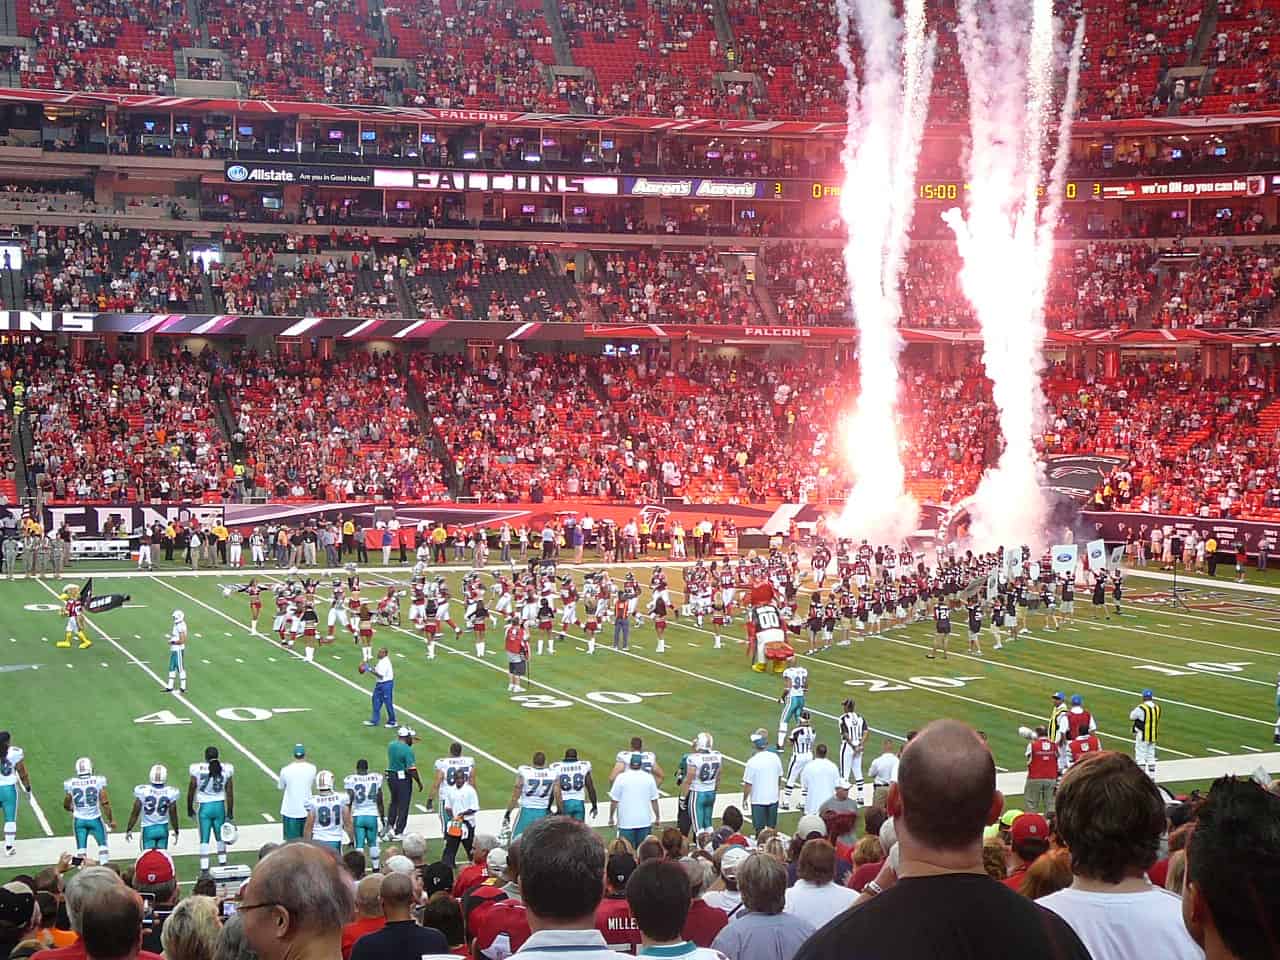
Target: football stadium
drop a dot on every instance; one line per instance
(721, 480)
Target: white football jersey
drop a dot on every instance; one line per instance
(572, 775)
(703, 769)
(327, 808)
(364, 789)
(9, 766)
(85, 793)
(156, 801)
(211, 789)
(456, 770)
(646, 763)
(535, 786)
(799, 678)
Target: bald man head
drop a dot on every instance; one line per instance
(397, 896)
(369, 895)
(296, 903)
(946, 787)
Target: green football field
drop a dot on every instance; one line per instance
(1213, 666)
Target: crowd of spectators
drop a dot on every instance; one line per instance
(1222, 287)
(672, 286)
(122, 429)
(94, 268)
(359, 285)
(1111, 872)
(334, 430)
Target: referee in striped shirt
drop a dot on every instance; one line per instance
(1146, 732)
(853, 738)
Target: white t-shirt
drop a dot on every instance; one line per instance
(726, 900)
(465, 798)
(763, 771)
(1118, 926)
(816, 904)
(884, 769)
(634, 791)
(295, 780)
(819, 782)
(383, 670)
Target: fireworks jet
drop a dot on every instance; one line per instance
(882, 144)
(1006, 237)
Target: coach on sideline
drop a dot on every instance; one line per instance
(402, 769)
(384, 689)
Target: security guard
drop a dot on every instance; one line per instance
(1146, 732)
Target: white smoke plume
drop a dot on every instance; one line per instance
(887, 113)
(1006, 236)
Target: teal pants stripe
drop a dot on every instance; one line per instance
(9, 802)
(791, 710)
(701, 809)
(90, 828)
(212, 814)
(366, 831)
(155, 837)
(528, 816)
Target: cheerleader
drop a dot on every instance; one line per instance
(658, 610)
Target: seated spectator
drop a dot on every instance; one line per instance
(442, 912)
(816, 897)
(19, 916)
(1049, 874)
(400, 936)
(659, 896)
(1111, 817)
(724, 894)
(369, 916)
(111, 925)
(762, 931)
(191, 930)
(939, 901)
(296, 903)
(155, 876)
(232, 944)
(1029, 840)
(88, 888)
(1231, 897)
(704, 921)
(476, 872)
(562, 865)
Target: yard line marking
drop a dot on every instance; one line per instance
(180, 697)
(420, 808)
(39, 812)
(206, 662)
(1077, 680)
(692, 644)
(71, 666)
(1126, 656)
(339, 677)
(1250, 749)
(266, 816)
(1238, 622)
(1221, 753)
(1211, 643)
(238, 660)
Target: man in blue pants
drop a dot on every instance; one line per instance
(383, 690)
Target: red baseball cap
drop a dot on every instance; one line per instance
(736, 840)
(154, 866)
(1029, 826)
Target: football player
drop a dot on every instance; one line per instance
(90, 808)
(328, 814)
(702, 770)
(156, 804)
(211, 802)
(13, 771)
(795, 686)
(364, 796)
(178, 652)
(451, 771)
(573, 786)
(532, 792)
(648, 761)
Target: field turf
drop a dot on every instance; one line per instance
(1212, 665)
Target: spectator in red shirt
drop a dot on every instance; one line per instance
(1029, 837)
(613, 915)
(369, 916)
(476, 872)
(100, 894)
(704, 921)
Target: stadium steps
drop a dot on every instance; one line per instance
(764, 299)
(12, 289)
(403, 298)
(9, 18)
(724, 27)
(439, 449)
(208, 300)
(226, 419)
(559, 39)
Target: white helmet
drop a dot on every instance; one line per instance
(84, 767)
(230, 834)
(324, 781)
(704, 741)
(159, 774)
(178, 616)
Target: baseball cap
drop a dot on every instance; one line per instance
(299, 750)
(637, 761)
(1059, 695)
(496, 862)
(809, 824)
(733, 858)
(760, 736)
(1147, 695)
(1029, 826)
(406, 732)
(17, 904)
(619, 868)
(1007, 818)
(154, 866)
(843, 784)
(438, 876)
(737, 840)
(1076, 699)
